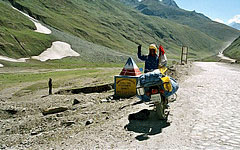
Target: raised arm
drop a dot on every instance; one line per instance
(140, 56)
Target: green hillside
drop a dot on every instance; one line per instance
(190, 18)
(105, 31)
(233, 51)
(17, 38)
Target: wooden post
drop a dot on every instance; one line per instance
(184, 52)
(50, 86)
(187, 56)
(182, 57)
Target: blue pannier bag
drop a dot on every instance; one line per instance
(152, 79)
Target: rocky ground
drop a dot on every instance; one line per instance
(204, 116)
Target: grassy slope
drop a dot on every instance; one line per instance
(113, 24)
(17, 38)
(117, 26)
(61, 78)
(233, 50)
(191, 18)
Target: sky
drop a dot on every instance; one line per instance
(224, 11)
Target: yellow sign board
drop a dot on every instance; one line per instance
(126, 86)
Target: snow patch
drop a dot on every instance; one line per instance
(219, 20)
(235, 19)
(220, 55)
(1, 65)
(58, 50)
(39, 26)
(12, 59)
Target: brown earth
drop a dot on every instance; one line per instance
(97, 121)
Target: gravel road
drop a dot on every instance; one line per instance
(215, 99)
(205, 116)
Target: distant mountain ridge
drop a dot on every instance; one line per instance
(170, 3)
(235, 25)
(168, 9)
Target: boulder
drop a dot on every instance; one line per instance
(11, 111)
(75, 101)
(68, 123)
(90, 121)
(54, 110)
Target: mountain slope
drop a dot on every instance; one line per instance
(17, 38)
(235, 25)
(233, 51)
(170, 3)
(190, 18)
(116, 26)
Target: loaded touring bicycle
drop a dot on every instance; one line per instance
(154, 88)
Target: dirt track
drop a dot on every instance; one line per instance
(205, 116)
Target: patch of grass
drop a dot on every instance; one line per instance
(213, 58)
(15, 78)
(39, 80)
(233, 51)
(17, 38)
(66, 63)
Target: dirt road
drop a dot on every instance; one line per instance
(214, 96)
(205, 116)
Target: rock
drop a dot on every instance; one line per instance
(122, 107)
(73, 109)
(89, 122)
(75, 102)
(54, 110)
(68, 123)
(83, 107)
(104, 112)
(34, 133)
(109, 98)
(104, 101)
(11, 111)
(59, 115)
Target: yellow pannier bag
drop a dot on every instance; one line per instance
(167, 84)
(163, 70)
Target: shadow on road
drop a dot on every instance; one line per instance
(145, 122)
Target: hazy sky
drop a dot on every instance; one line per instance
(222, 10)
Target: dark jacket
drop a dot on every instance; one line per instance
(151, 62)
